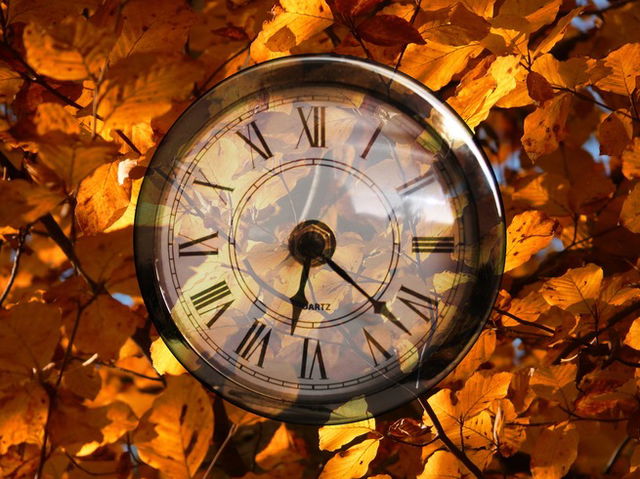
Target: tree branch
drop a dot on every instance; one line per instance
(523, 321)
(16, 264)
(447, 442)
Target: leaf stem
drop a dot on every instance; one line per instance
(16, 264)
(230, 433)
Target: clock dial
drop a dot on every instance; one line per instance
(312, 244)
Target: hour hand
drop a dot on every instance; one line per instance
(299, 300)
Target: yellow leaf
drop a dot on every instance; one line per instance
(175, 434)
(72, 50)
(293, 22)
(528, 233)
(479, 91)
(624, 64)
(480, 353)
(441, 464)
(555, 449)
(121, 420)
(555, 383)
(557, 32)
(53, 117)
(630, 214)
(576, 290)
(548, 192)
(446, 280)
(164, 362)
(352, 463)
(572, 74)
(632, 339)
(142, 87)
(280, 450)
(334, 437)
(24, 202)
(480, 390)
(545, 127)
(73, 157)
(526, 15)
(435, 64)
(102, 199)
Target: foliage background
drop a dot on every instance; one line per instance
(88, 88)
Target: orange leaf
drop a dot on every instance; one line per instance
(545, 127)
(24, 202)
(538, 87)
(555, 450)
(352, 463)
(576, 290)
(630, 214)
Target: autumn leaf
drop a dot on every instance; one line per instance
(334, 437)
(545, 127)
(528, 233)
(352, 463)
(630, 214)
(576, 290)
(624, 64)
(614, 134)
(538, 87)
(279, 449)
(554, 451)
(25, 202)
(75, 49)
(174, 435)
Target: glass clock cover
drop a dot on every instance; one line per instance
(319, 231)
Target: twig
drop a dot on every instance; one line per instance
(616, 455)
(87, 471)
(230, 434)
(447, 442)
(14, 268)
(588, 98)
(54, 393)
(404, 47)
(124, 370)
(524, 321)
(583, 340)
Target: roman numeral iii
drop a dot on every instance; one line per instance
(183, 248)
(310, 359)
(255, 340)
(210, 298)
(315, 131)
(432, 244)
(263, 150)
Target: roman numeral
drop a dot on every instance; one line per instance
(432, 244)
(183, 246)
(425, 303)
(207, 297)
(373, 344)
(416, 184)
(371, 142)
(315, 135)
(253, 341)
(212, 185)
(316, 358)
(262, 150)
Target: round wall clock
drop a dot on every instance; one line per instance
(319, 231)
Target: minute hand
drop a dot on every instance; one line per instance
(379, 307)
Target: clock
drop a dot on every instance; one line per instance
(319, 239)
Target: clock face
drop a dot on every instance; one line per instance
(312, 243)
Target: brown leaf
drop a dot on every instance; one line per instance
(630, 214)
(624, 64)
(631, 159)
(539, 88)
(389, 30)
(576, 290)
(353, 8)
(614, 134)
(556, 448)
(24, 414)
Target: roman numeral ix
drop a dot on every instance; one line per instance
(432, 244)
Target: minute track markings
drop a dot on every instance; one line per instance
(416, 184)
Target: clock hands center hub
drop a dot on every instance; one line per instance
(313, 241)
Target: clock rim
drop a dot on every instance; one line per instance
(144, 248)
